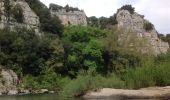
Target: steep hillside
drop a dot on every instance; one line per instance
(17, 13)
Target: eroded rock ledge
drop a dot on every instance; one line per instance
(144, 93)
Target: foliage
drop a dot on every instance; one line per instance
(165, 38)
(26, 53)
(84, 83)
(18, 13)
(93, 21)
(83, 50)
(150, 74)
(48, 23)
(148, 26)
(128, 7)
(102, 22)
(67, 8)
(116, 58)
(7, 8)
(50, 81)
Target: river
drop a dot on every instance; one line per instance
(36, 97)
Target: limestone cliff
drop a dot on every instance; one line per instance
(137, 33)
(7, 19)
(68, 16)
(8, 82)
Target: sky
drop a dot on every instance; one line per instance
(156, 11)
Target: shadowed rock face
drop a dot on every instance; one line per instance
(30, 19)
(69, 17)
(139, 34)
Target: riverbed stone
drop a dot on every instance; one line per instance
(12, 92)
(44, 91)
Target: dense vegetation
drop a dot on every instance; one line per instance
(165, 38)
(128, 7)
(48, 23)
(108, 23)
(84, 58)
(85, 55)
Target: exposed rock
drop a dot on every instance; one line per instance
(51, 92)
(23, 91)
(145, 93)
(44, 91)
(12, 92)
(139, 34)
(77, 17)
(8, 82)
(30, 19)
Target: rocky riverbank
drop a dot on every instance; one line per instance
(144, 93)
(9, 84)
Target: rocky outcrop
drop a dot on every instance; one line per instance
(8, 82)
(145, 93)
(30, 19)
(137, 33)
(69, 17)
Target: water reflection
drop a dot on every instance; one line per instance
(35, 97)
(54, 97)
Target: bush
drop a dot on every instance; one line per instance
(18, 13)
(84, 83)
(26, 53)
(48, 23)
(148, 26)
(50, 81)
(128, 7)
(150, 74)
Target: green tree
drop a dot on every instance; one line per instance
(128, 7)
(84, 51)
(18, 13)
(48, 23)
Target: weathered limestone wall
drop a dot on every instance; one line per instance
(134, 34)
(71, 17)
(8, 82)
(31, 20)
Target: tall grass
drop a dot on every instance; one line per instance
(151, 73)
(84, 83)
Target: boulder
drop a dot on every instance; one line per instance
(12, 92)
(8, 82)
(44, 91)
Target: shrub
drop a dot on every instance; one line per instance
(128, 7)
(150, 74)
(18, 13)
(49, 24)
(148, 26)
(84, 83)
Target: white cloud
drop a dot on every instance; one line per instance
(156, 11)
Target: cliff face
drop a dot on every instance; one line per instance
(139, 34)
(30, 19)
(74, 17)
(8, 82)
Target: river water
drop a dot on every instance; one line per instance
(52, 97)
(36, 97)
